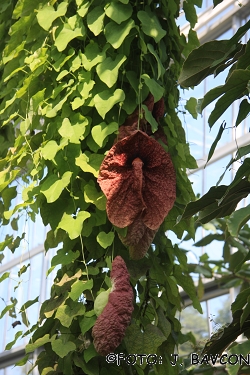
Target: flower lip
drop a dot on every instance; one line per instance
(138, 161)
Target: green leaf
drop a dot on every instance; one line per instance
(101, 301)
(105, 239)
(193, 42)
(150, 24)
(244, 111)
(234, 88)
(115, 34)
(156, 90)
(242, 151)
(90, 353)
(243, 171)
(74, 133)
(163, 323)
(150, 118)
(208, 239)
(87, 322)
(50, 150)
(190, 12)
(108, 69)
(7, 195)
(10, 344)
(106, 100)
(146, 342)
(198, 64)
(240, 300)
(219, 201)
(64, 257)
(52, 187)
(4, 276)
(95, 20)
(204, 271)
(6, 177)
(239, 34)
(92, 55)
(25, 319)
(90, 162)
(246, 312)
(160, 67)
(22, 361)
(28, 304)
(62, 348)
(118, 12)
(186, 282)
(39, 342)
(24, 126)
(237, 220)
(78, 287)
(66, 313)
(84, 89)
(191, 107)
(6, 309)
(73, 226)
(243, 60)
(242, 249)
(91, 195)
(48, 14)
(102, 131)
(218, 137)
(66, 34)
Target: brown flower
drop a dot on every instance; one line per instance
(111, 324)
(138, 178)
(138, 238)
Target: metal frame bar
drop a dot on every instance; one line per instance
(218, 28)
(11, 356)
(221, 152)
(27, 255)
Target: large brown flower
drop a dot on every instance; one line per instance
(110, 326)
(138, 178)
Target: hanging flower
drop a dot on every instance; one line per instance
(138, 238)
(138, 178)
(111, 324)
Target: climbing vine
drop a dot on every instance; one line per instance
(73, 73)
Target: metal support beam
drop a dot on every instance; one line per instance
(25, 256)
(227, 149)
(208, 29)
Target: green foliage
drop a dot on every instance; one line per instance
(212, 58)
(220, 201)
(71, 73)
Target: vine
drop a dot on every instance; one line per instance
(73, 72)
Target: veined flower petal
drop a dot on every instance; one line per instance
(137, 177)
